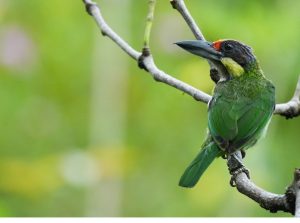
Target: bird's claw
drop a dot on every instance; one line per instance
(235, 173)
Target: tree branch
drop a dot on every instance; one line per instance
(94, 11)
(273, 202)
(179, 5)
(269, 201)
(149, 22)
(295, 189)
(144, 59)
(292, 108)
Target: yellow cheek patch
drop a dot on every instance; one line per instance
(232, 67)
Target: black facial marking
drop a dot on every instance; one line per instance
(228, 47)
(239, 52)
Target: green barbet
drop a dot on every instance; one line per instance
(241, 107)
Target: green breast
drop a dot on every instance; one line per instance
(239, 111)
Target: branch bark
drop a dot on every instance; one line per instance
(93, 10)
(295, 189)
(288, 202)
(290, 109)
(144, 58)
(297, 192)
(269, 201)
(149, 23)
(179, 5)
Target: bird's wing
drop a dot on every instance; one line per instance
(238, 121)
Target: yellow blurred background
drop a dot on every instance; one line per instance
(84, 132)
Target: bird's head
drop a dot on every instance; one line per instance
(236, 57)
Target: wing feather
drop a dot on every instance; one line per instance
(239, 121)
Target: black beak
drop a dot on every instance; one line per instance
(201, 48)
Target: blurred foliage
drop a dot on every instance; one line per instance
(49, 164)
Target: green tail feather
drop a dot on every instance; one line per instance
(195, 170)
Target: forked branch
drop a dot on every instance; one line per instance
(288, 202)
(289, 109)
(144, 58)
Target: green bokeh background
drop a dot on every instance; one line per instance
(84, 132)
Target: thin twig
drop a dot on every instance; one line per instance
(179, 5)
(94, 11)
(144, 59)
(149, 22)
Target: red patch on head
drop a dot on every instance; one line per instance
(217, 45)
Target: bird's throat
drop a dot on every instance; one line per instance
(232, 67)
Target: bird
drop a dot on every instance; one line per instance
(241, 106)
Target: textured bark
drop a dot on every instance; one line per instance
(269, 201)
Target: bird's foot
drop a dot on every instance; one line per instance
(236, 172)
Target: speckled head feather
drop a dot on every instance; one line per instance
(237, 51)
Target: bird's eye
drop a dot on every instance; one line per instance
(228, 46)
